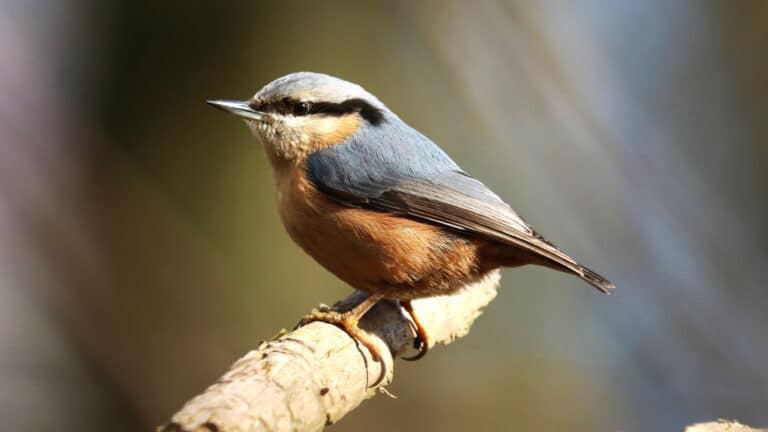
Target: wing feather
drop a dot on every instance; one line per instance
(458, 201)
(394, 169)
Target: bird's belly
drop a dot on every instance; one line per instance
(378, 252)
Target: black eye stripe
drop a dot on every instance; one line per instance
(367, 111)
(287, 106)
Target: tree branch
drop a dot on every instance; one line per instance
(316, 374)
(722, 426)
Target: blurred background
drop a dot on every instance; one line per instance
(141, 252)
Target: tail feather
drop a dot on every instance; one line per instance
(596, 280)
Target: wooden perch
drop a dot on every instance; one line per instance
(314, 375)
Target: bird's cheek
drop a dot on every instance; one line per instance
(330, 131)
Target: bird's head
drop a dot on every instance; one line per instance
(302, 112)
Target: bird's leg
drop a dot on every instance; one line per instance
(348, 321)
(421, 342)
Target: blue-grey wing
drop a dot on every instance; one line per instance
(402, 172)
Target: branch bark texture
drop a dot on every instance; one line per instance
(314, 375)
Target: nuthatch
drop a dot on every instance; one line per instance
(380, 205)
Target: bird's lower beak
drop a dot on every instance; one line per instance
(238, 108)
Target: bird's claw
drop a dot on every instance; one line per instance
(348, 321)
(421, 341)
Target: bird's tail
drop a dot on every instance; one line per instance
(596, 280)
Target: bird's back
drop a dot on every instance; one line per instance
(394, 169)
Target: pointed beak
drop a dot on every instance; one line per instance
(238, 108)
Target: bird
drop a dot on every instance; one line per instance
(380, 205)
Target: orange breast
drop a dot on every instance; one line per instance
(373, 251)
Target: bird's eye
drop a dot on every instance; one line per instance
(301, 108)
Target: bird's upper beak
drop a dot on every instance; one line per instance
(238, 108)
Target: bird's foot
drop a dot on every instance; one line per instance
(421, 342)
(349, 322)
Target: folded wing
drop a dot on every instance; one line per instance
(423, 183)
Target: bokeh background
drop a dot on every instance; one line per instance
(141, 253)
